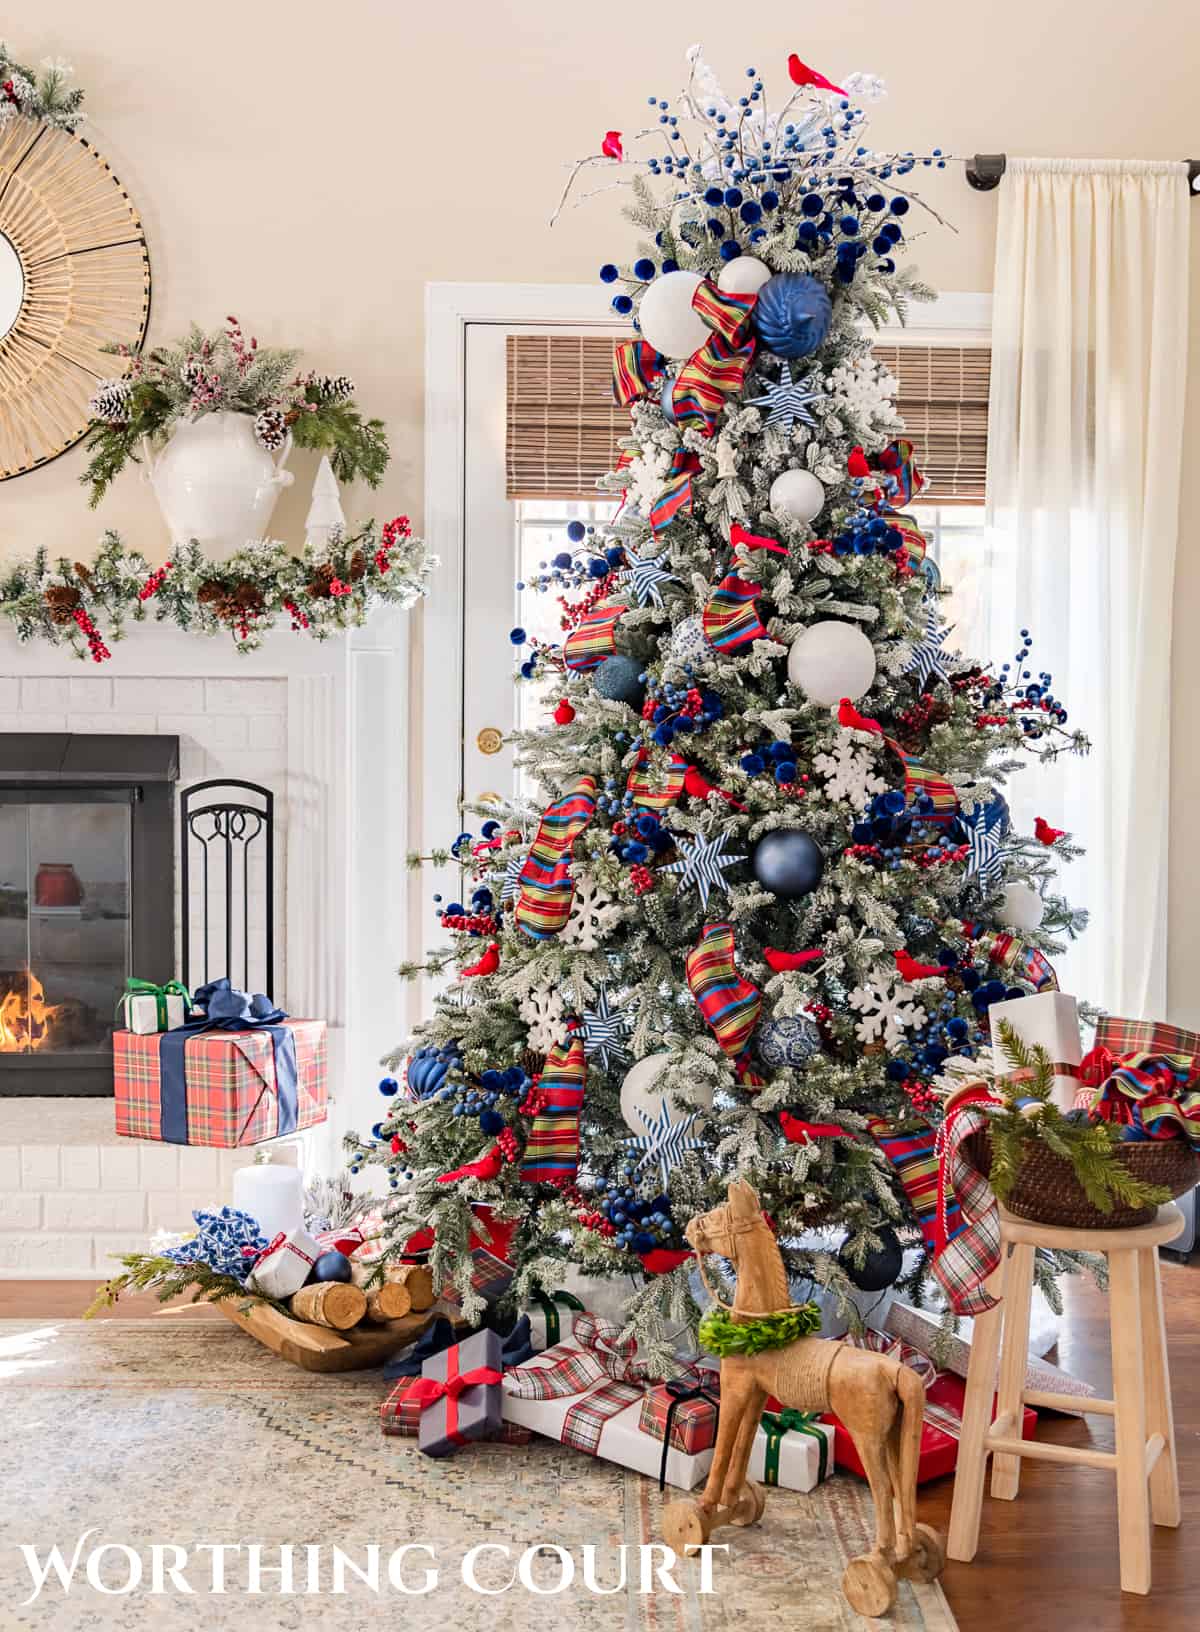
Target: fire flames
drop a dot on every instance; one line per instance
(26, 1019)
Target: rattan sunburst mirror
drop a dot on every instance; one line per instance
(74, 277)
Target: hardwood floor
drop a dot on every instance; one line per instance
(1048, 1561)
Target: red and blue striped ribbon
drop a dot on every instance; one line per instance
(637, 369)
(594, 638)
(677, 495)
(729, 1003)
(545, 883)
(552, 1149)
(918, 779)
(658, 793)
(715, 371)
(731, 618)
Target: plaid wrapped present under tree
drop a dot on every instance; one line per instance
(230, 1088)
(400, 1417)
(693, 1418)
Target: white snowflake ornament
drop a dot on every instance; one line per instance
(886, 1004)
(594, 913)
(545, 1016)
(849, 773)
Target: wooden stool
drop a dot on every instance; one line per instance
(1141, 1388)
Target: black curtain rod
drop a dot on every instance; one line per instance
(985, 169)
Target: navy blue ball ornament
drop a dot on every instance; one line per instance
(791, 1040)
(881, 1267)
(792, 315)
(332, 1266)
(619, 680)
(788, 863)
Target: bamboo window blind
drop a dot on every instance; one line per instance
(562, 424)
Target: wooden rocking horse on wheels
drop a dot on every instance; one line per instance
(879, 1401)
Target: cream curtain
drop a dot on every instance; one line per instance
(1085, 443)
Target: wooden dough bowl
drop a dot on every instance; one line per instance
(318, 1348)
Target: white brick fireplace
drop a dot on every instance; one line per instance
(324, 725)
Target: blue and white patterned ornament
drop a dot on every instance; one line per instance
(645, 576)
(219, 1241)
(986, 826)
(928, 660)
(791, 1040)
(793, 314)
(689, 644)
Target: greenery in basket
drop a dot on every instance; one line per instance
(150, 1272)
(1090, 1147)
(224, 372)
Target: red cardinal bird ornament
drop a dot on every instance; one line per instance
(611, 145)
(781, 961)
(755, 541)
(849, 716)
(802, 74)
(488, 963)
(1046, 833)
(798, 1132)
(700, 788)
(487, 1167)
(908, 968)
(857, 464)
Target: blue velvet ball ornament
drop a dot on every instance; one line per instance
(332, 1266)
(788, 863)
(793, 314)
(788, 1041)
(619, 679)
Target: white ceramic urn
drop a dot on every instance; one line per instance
(215, 483)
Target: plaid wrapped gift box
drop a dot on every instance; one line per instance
(230, 1084)
(400, 1416)
(693, 1421)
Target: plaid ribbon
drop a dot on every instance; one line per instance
(713, 373)
(677, 495)
(650, 793)
(545, 884)
(918, 779)
(901, 478)
(1149, 1086)
(914, 1158)
(728, 1001)
(594, 638)
(888, 1344)
(730, 618)
(681, 1391)
(552, 1149)
(913, 542)
(777, 1424)
(549, 1307)
(1014, 957)
(597, 1366)
(963, 1261)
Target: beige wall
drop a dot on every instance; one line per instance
(310, 166)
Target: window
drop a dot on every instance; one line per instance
(968, 555)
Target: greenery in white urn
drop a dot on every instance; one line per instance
(224, 372)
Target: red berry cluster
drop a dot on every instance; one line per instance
(820, 546)
(575, 612)
(641, 878)
(509, 1144)
(155, 582)
(598, 1222)
(982, 720)
(939, 858)
(535, 1101)
(399, 527)
(398, 1145)
(694, 704)
(865, 852)
(299, 618)
(916, 718)
(93, 636)
(338, 586)
(475, 923)
(919, 1095)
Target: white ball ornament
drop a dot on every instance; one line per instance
(831, 660)
(797, 494)
(744, 275)
(667, 318)
(1022, 907)
(639, 1093)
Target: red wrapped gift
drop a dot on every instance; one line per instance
(400, 1414)
(693, 1418)
(939, 1434)
(221, 1086)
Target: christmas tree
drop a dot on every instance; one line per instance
(773, 887)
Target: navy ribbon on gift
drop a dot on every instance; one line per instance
(226, 1009)
(681, 1391)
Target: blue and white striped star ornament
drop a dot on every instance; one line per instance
(702, 862)
(645, 575)
(511, 887)
(928, 659)
(787, 402)
(665, 1140)
(985, 828)
(604, 1030)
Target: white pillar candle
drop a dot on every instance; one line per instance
(271, 1193)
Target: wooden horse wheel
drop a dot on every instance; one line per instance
(84, 282)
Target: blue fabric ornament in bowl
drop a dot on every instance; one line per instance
(791, 1040)
(619, 680)
(788, 863)
(332, 1266)
(793, 314)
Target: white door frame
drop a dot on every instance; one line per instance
(951, 319)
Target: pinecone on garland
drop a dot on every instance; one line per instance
(231, 604)
(333, 387)
(270, 427)
(358, 566)
(321, 583)
(62, 602)
(110, 402)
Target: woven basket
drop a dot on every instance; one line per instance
(1047, 1191)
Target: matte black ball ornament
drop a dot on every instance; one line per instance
(332, 1266)
(881, 1267)
(619, 679)
(788, 863)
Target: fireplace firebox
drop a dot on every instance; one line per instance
(87, 897)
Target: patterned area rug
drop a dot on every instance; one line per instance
(181, 1431)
